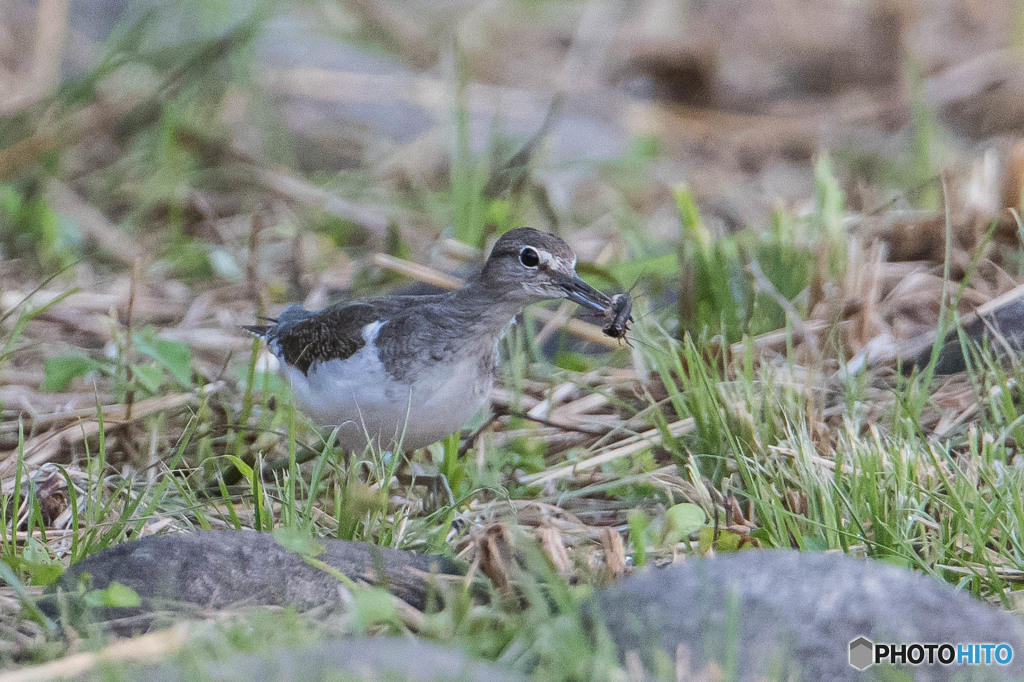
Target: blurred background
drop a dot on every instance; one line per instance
(151, 134)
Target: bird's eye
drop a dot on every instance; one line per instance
(529, 257)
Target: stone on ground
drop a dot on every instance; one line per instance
(778, 613)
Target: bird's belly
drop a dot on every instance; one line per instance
(358, 396)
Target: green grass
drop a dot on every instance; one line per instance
(884, 487)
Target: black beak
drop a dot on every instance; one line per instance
(578, 291)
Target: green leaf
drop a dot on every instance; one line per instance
(122, 595)
(150, 377)
(37, 552)
(191, 259)
(42, 574)
(895, 560)
(681, 521)
(763, 536)
(298, 541)
(727, 540)
(115, 595)
(8, 575)
(35, 560)
(10, 200)
(242, 467)
(638, 524)
(499, 212)
(689, 215)
(829, 202)
(452, 467)
(572, 361)
(645, 147)
(627, 272)
(815, 543)
(373, 605)
(175, 357)
(178, 359)
(58, 373)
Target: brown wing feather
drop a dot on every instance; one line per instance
(334, 333)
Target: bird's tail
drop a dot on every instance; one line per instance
(259, 330)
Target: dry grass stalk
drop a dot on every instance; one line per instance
(95, 302)
(95, 226)
(554, 547)
(44, 69)
(614, 554)
(624, 448)
(418, 272)
(148, 648)
(293, 188)
(493, 552)
(425, 92)
(46, 446)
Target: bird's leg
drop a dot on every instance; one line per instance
(437, 483)
(434, 483)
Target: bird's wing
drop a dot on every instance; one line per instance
(334, 333)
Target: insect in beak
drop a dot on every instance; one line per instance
(618, 316)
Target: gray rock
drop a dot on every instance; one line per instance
(1001, 331)
(780, 614)
(219, 569)
(375, 658)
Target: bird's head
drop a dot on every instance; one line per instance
(531, 265)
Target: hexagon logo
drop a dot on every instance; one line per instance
(862, 652)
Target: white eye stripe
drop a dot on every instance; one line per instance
(560, 263)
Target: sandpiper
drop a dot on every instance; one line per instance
(406, 371)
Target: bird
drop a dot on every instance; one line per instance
(404, 371)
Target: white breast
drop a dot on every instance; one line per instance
(359, 396)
